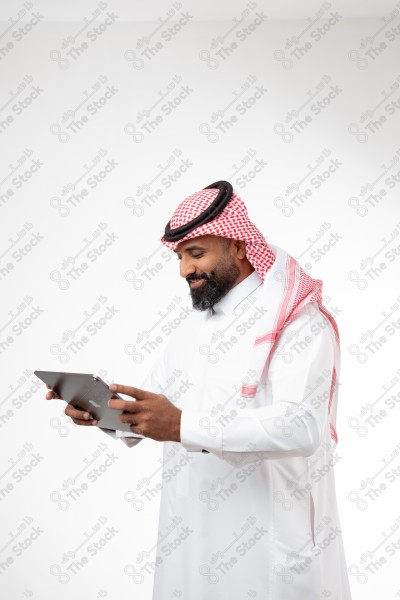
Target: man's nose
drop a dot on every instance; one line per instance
(186, 266)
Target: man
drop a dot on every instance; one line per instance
(248, 505)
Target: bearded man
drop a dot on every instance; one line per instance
(248, 506)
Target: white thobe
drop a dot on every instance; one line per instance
(255, 516)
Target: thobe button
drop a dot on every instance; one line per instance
(205, 451)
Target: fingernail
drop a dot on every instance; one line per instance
(94, 422)
(113, 387)
(87, 416)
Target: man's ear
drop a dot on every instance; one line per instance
(240, 249)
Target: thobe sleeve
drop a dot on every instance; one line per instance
(294, 423)
(151, 383)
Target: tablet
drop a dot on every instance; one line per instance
(88, 392)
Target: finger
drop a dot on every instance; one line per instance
(127, 405)
(80, 415)
(85, 423)
(52, 396)
(127, 418)
(129, 391)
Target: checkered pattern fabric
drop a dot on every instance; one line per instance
(287, 288)
(233, 222)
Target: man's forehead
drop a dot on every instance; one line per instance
(201, 241)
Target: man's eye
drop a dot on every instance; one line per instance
(192, 255)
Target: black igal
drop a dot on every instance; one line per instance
(217, 206)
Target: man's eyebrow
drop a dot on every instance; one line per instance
(189, 248)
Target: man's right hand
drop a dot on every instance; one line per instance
(79, 417)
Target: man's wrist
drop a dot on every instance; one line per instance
(177, 433)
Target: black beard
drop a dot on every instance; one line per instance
(215, 286)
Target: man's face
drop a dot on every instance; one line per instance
(208, 267)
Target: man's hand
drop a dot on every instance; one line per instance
(79, 417)
(152, 415)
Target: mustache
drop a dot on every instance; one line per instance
(197, 277)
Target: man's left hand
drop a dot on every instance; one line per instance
(152, 415)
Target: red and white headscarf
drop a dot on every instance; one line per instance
(286, 286)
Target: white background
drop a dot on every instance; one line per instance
(297, 106)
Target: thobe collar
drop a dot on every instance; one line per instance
(237, 294)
